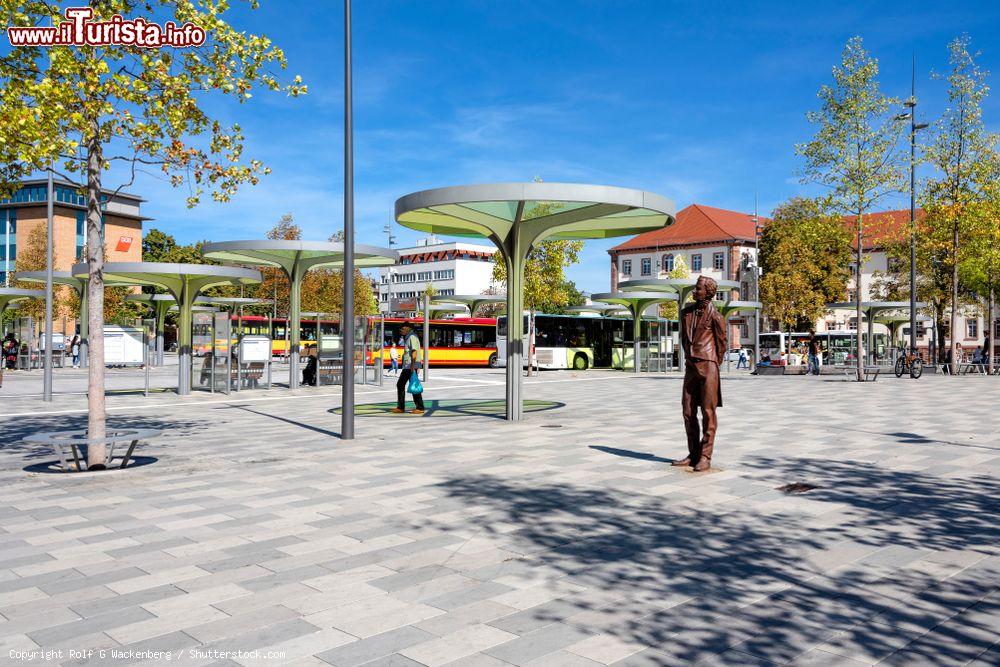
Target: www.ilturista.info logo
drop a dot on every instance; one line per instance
(79, 30)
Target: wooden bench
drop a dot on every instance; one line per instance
(966, 368)
(66, 442)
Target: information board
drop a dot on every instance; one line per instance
(123, 346)
(254, 349)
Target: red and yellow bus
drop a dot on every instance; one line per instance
(462, 341)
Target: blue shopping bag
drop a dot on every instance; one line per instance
(414, 386)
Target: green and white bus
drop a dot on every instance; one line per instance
(577, 342)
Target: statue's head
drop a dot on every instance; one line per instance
(705, 289)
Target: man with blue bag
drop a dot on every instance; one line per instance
(408, 378)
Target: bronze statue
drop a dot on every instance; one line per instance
(703, 337)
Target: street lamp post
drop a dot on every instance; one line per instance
(911, 115)
(347, 384)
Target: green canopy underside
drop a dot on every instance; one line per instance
(285, 258)
(484, 219)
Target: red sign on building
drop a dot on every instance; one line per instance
(124, 243)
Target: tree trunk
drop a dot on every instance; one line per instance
(953, 356)
(990, 331)
(95, 298)
(859, 347)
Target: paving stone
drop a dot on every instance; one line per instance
(373, 648)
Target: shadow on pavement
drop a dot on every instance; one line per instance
(627, 453)
(691, 584)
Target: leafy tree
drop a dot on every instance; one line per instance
(545, 284)
(156, 245)
(853, 153)
(671, 309)
(980, 271)
(33, 257)
(965, 157)
(140, 107)
(804, 255)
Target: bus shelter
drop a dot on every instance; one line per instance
(636, 303)
(871, 310)
(296, 259)
(516, 217)
(471, 301)
(186, 283)
(79, 285)
(680, 286)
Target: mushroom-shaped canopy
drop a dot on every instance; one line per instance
(288, 255)
(597, 309)
(14, 295)
(730, 307)
(472, 301)
(442, 309)
(682, 286)
(79, 283)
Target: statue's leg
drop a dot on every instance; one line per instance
(690, 400)
(710, 401)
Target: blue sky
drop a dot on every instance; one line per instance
(698, 101)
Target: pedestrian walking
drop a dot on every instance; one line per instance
(744, 360)
(411, 360)
(813, 352)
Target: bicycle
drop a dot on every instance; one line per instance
(909, 362)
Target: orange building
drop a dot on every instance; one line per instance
(21, 213)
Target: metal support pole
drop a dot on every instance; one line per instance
(145, 357)
(84, 325)
(47, 372)
(381, 347)
(636, 331)
(347, 388)
(427, 334)
(294, 323)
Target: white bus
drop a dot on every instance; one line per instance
(577, 342)
(836, 346)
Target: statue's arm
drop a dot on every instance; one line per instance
(721, 337)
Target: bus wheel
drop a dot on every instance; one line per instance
(493, 360)
(580, 362)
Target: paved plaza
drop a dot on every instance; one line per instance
(251, 534)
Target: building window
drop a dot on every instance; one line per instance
(407, 277)
(647, 266)
(972, 327)
(852, 324)
(852, 295)
(719, 261)
(696, 262)
(8, 239)
(668, 263)
(447, 274)
(446, 292)
(627, 267)
(425, 275)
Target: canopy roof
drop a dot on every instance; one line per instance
(730, 307)
(669, 284)
(872, 308)
(285, 254)
(599, 308)
(438, 309)
(901, 318)
(58, 277)
(173, 277)
(636, 302)
(554, 210)
(13, 295)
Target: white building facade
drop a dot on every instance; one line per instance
(449, 267)
(712, 242)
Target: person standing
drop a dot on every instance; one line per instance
(813, 351)
(74, 350)
(394, 358)
(703, 337)
(744, 360)
(10, 347)
(411, 361)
